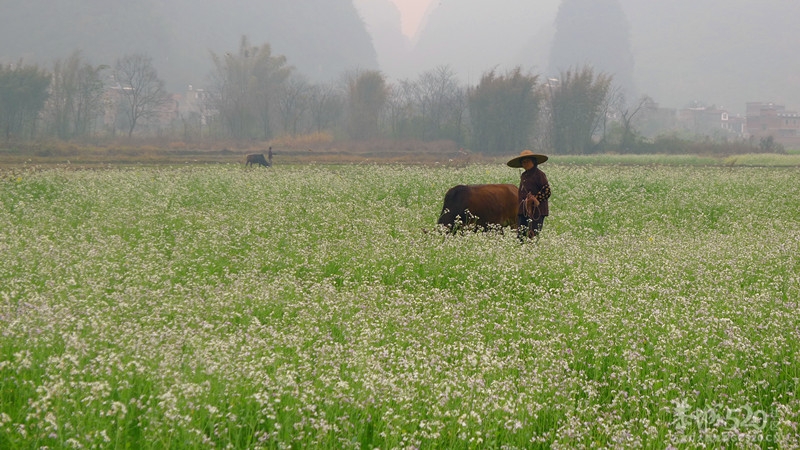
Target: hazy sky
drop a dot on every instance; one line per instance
(412, 12)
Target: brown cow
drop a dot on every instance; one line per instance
(480, 205)
(256, 158)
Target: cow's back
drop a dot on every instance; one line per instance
(256, 158)
(481, 205)
(494, 204)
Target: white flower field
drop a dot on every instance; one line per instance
(318, 307)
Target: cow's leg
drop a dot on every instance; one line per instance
(536, 226)
(523, 228)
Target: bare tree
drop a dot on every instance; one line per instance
(141, 91)
(76, 94)
(441, 102)
(293, 102)
(325, 104)
(400, 108)
(626, 115)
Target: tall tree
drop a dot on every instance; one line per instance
(23, 93)
(627, 113)
(76, 96)
(400, 108)
(578, 101)
(141, 92)
(293, 102)
(441, 103)
(246, 88)
(503, 109)
(326, 103)
(594, 33)
(367, 95)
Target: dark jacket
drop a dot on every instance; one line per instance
(534, 181)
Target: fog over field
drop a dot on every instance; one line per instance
(715, 52)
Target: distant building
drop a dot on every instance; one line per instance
(196, 103)
(694, 121)
(769, 119)
(115, 118)
(653, 120)
(762, 120)
(736, 125)
(711, 121)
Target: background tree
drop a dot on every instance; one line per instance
(246, 88)
(325, 103)
(293, 102)
(440, 102)
(76, 95)
(367, 95)
(627, 113)
(503, 110)
(577, 103)
(399, 110)
(141, 92)
(23, 93)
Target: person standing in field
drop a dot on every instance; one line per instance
(534, 192)
(269, 156)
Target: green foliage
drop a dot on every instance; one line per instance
(23, 92)
(768, 145)
(503, 109)
(578, 103)
(367, 95)
(75, 97)
(306, 307)
(246, 90)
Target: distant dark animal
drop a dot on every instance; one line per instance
(256, 158)
(480, 205)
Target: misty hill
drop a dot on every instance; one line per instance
(321, 38)
(594, 32)
(384, 24)
(723, 52)
(473, 37)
